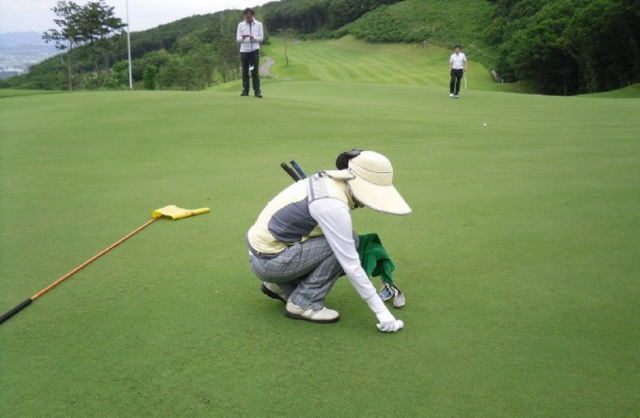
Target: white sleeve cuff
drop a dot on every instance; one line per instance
(376, 304)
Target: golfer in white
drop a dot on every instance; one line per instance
(304, 240)
(249, 34)
(457, 68)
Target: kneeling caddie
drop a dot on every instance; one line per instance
(303, 240)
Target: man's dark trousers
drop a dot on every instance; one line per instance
(456, 79)
(247, 59)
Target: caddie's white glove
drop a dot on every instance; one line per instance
(386, 321)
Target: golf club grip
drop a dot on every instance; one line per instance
(289, 171)
(15, 310)
(296, 167)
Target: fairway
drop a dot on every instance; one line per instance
(519, 261)
(348, 60)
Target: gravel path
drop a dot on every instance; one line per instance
(266, 67)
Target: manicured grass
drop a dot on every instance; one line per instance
(631, 92)
(349, 60)
(14, 93)
(519, 263)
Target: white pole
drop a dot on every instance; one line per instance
(129, 46)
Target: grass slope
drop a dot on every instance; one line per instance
(631, 92)
(16, 92)
(442, 22)
(520, 261)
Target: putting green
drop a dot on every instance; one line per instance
(519, 263)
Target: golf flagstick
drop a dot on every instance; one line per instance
(170, 211)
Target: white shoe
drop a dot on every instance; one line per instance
(273, 291)
(323, 316)
(456, 96)
(450, 95)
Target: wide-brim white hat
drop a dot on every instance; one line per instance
(372, 184)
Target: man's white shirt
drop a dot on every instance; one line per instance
(249, 29)
(457, 60)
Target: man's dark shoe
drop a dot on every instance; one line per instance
(244, 93)
(258, 95)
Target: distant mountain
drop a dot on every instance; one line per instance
(17, 39)
(21, 50)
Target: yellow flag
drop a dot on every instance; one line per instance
(175, 213)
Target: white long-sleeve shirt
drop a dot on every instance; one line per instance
(244, 35)
(334, 218)
(284, 222)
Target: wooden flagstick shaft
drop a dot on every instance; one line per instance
(27, 302)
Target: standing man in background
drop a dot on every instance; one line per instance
(249, 35)
(457, 67)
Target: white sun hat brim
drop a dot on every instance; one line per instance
(372, 184)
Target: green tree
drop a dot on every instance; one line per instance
(287, 35)
(149, 77)
(68, 35)
(568, 46)
(602, 41)
(221, 34)
(97, 25)
(171, 75)
(538, 52)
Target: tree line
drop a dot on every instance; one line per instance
(317, 16)
(564, 47)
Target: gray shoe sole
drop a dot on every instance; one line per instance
(315, 321)
(271, 294)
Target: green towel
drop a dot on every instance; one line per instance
(374, 258)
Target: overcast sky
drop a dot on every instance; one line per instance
(36, 15)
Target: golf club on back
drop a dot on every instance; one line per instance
(290, 171)
(296, 167)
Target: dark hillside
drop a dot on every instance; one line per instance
(442, 22)
(568, 46)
